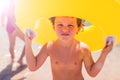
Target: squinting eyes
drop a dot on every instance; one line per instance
(61, 25)
(70, 25)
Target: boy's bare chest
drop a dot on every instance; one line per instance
(66, 57)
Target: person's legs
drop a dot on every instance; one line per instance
(21, 35)
(20, 61)
(11, 45)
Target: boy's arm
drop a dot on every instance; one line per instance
(93, 68)
(34, 62)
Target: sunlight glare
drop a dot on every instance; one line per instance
(3, 5)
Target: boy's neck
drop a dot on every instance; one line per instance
(65, 44)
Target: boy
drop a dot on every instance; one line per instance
(66, 53)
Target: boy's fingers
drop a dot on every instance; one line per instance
(30, 33)
(110, 40)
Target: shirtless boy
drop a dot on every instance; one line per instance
(66, 53)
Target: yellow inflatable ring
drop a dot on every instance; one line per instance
(103, 14)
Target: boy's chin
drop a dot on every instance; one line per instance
(65, 39)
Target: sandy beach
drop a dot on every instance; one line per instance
(110, 70)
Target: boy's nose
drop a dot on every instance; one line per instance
(65, 28)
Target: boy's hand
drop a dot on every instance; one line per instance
(109, 42)
(110, 39)
(30, 34)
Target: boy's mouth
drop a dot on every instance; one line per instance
(65, 34)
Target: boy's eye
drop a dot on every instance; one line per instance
(70, 25)
(60, 25)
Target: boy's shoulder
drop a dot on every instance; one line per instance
(49, 44)
(83, 46)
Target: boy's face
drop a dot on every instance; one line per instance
(66, 27)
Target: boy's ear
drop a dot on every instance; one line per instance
(80, 28)
(53, 27)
